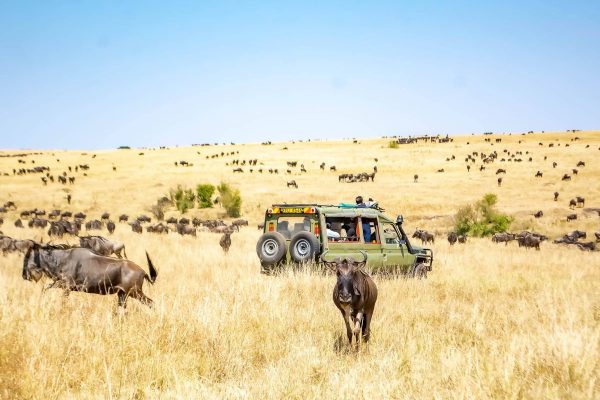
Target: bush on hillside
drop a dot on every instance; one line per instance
(482, 218)
(230, 199)
(204, 193)
(182, 199)
(393, 144)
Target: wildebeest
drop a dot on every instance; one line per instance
(93, 224)
(597, 234)
(539, 214)
(580, 201)
(425, 236)
(123, 218)
(539, 174)
(186, 230)
(144, 218)
(571, 217)
(225, 241)
(354, 294)
(452, 238)
(529, 241)
(292, 183)
(82, 270)
(572, 203)
(415, 178)
(555, 196)
(566, 177)
(136, 226)
(110, 225)
(587, 246)
(103, 246)
(18, 223)
(500, 171)
(503, 237)
(240, 222)
(105, 216)
(581, 164)
(462, 238)
(500, 181)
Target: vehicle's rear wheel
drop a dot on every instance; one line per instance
(418, 271)
(271, 248)
(303, 247)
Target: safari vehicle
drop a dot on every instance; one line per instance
(299, 233)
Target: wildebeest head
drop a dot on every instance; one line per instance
(345, 270)
(32, 267)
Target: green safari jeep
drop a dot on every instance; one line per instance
(300, 233)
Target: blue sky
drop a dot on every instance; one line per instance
(99, 74)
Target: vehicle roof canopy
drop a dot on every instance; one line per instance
(343, 211)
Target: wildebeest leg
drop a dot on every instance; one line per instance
(139, 295)
(366, 327)
(122, 299)
(347, 321)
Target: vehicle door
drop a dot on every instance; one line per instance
(395, 255)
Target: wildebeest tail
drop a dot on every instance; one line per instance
(153, 273)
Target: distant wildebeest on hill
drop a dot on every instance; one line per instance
(80, 269)
(355, 295)
(539, 214)
(571, 217)
(556, 196)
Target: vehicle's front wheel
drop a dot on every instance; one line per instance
(418, 271)
(303, 247)
(271, 248)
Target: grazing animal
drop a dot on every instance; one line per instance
(225, 241)
(292, 184)
(18, 224)
(529, 241)
(580, 201)
(425, 236)
(355, 295)
(415, 178)
(82, 270)
(452, 238)
(500, 171)
(103, 246)
(500, 181)
(123, 218)
(555, 196)
(566, 177)
(136, 226)
(462, 238)
(591, 246)
(539, 214)
(539, 174)
(110, 225)
(503, 237)
(597, 234)
(572, 203)
(571, 217)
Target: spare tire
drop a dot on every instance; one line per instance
(271, 248)
(304, 246)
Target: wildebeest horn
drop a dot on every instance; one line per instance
(364, 254)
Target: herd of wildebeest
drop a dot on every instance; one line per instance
(99, 264)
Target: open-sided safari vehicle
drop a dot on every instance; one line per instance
(300, 233)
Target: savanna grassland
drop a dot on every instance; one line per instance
(491, 321)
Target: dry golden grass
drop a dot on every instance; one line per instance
(489, 322)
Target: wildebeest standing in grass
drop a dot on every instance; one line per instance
(452, 238)
(110, 225)
(354, 294)
(225, 241)
(81, 270)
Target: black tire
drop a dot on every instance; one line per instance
(304, 246)
(418, 271)
(271, 248)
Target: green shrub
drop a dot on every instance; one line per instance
(182, 199)
(393, 144)
(204, 193)
(482, 218)
(230, 199)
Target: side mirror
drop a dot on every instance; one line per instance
(399, 220)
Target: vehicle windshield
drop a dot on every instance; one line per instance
(288, 226)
